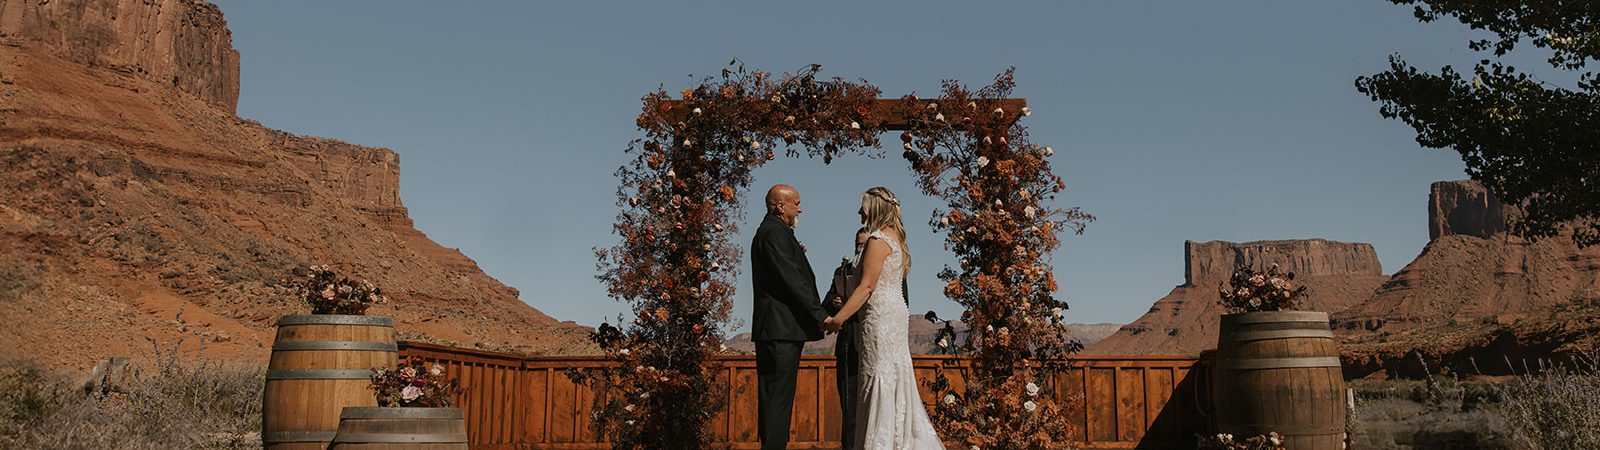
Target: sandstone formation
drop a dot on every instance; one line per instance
(1476, 297)
(184, 44)
(138, 211)
(1464, 208)
(1184, 322)
(1473, 271)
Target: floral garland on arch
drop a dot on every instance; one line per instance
(681, 196)
(995, 184)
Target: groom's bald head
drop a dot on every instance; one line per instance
(784, 201)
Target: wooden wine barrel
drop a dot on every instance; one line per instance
(1279, 371)
(320, 364)
(401, 429)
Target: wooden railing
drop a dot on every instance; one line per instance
(521, 402)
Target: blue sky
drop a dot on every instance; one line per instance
(1171, 120)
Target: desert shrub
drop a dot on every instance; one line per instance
(1556, 406)
(171, 402)
(28, 395)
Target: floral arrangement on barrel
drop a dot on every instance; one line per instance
(329, 293)
(1225, 441)
(968, 149)
(682, 195)
(1251, 291)
(414, 383)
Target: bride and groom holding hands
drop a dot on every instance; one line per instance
(877, 386)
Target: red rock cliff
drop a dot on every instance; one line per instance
(180, 43)
(1339, 274)
(1472, 270)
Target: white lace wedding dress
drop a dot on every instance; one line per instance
(890, 414)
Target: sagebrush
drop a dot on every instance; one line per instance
(170, 402)
(1555, 406)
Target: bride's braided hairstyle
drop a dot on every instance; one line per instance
(881, 209)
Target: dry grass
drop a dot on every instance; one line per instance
(173, 402)
(1555, 407)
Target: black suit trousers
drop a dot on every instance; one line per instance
(848, 356)
(777, 363)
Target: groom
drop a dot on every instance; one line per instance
(788, 313)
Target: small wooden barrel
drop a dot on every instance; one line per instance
(1279, 371)
(401, 429)
(320, 364)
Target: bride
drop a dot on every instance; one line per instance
(891, 414)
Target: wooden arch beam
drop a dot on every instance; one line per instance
(894, 115)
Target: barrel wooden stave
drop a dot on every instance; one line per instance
(1280, 375)
(319, 365)
(401, 429)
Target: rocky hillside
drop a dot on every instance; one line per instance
(1184, 322)
(138, 209)
(1476, 292)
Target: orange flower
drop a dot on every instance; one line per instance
(688, 93)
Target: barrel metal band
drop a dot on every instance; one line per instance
(1280, 317)
(1247, 336)
(319, 374)
(353, 438)
(335, 319)
(369, 412)
(297, 436)
(1278, 363)
(336, 345)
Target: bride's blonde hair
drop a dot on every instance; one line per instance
(881, 209)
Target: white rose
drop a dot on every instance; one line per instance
(1033, 389)
(854, 125)
(1029, 211)
(628, 408)
(938, 117)
(410, 393)
(1030, 406)
(1049, 151)
(623, 351)
(983, 161)
(437, 370)
(944, 343)
(1026, 111)
(697, 110)
(949, 399)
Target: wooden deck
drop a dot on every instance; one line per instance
(523, 403)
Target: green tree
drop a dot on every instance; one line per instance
(1532, 143)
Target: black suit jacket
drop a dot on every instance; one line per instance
(787, 306)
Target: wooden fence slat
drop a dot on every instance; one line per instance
(1130, 404)
(517, 402)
